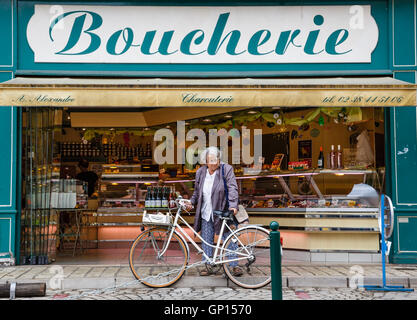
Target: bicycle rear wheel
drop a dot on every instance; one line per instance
(257, 267)
(154, 270)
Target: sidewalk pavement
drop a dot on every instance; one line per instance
(78, 277)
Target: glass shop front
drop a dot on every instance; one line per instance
(90, 173)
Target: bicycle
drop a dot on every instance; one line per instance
(159, 256)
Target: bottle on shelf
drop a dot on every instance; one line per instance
(148, 150)
(320, 160)
(164, 202)
(140, 151)
(332, 158)
(339, 157)
(64, 149)
(69, 149)
(148, 198)
(158, 197)
(152, 198)
(171, 199)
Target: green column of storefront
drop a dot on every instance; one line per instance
(9, 225)
(402, 134)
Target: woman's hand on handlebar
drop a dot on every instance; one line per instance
(189, 206)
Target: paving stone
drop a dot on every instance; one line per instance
(15, 274)
(80, 272)
(110, 271)
(74, 283)
(31, 274)
(338, 271)
(95, 272)
(340, 282)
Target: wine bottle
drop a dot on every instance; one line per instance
(171, 200)
(164, 202)
(70, 149)
(320, 161)
(339, 157)
(140, 152)
(152, 198)
(332, 158)
(158, 198)
(148, 197)
(148, 150)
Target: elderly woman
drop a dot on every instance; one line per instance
(209, 195)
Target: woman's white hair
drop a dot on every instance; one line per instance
(210, 151)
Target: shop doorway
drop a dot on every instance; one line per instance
(38, 221)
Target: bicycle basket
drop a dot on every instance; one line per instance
(159, 218)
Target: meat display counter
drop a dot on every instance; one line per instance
(315, 209)
(121, 199)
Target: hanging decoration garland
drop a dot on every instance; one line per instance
(340, 114)
(262, 117)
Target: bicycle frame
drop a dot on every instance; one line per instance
(213, 260)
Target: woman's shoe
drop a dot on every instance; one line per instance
(237, 271)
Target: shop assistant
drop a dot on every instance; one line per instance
(88, 176)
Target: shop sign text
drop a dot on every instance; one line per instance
(241, 34)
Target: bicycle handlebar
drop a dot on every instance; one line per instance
(182, 203)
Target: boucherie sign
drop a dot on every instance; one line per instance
(186, 34)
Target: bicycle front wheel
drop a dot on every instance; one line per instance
(152, 269)
(254, 243)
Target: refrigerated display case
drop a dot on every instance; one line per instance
(121, 199)
(315, 209)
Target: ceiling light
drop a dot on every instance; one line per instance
(252, 112)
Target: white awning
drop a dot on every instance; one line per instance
(247, 92)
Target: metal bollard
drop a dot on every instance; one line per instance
(276, 271)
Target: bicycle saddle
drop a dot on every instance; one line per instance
(223, 214)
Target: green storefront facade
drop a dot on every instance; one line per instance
(394, 55)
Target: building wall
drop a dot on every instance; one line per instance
(8, 132)
(395, 54)
(403, 135)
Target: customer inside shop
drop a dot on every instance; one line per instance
(311, 160)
